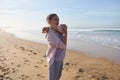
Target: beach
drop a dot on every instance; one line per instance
(25, 60)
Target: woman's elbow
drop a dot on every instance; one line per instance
(53, 45)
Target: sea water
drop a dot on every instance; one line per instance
(89, 40)
(104, 36)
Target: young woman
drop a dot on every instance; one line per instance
(56, 46)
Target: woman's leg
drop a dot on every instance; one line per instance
(55, 70)
(58, 69)
(51, 72)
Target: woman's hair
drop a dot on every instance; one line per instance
(50, 16)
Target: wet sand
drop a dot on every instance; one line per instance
(25, 60)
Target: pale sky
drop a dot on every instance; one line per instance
(75, 13)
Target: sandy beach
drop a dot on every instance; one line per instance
(25, 60)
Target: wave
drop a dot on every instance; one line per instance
(106, 36)
(106, 30)
(95, 29)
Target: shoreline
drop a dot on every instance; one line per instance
(24, 60)
(88, 47)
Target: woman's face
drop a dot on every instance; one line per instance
(54, 21)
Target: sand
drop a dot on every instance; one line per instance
(25, 60)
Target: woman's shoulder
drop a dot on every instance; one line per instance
(52, 33)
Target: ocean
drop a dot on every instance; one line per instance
(100, 42)
(104, 36)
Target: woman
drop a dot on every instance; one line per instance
(56, 46)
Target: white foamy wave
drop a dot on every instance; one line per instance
(105, 36)
(94, 29)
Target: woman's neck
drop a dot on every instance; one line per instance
(53, 26)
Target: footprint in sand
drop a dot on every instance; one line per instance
(3, 65)
(8, 78)
(4, 58)
(41, 61)
(29, 50)
(77, 78)
(12, 63)
(18, 65)
(44, 55)
(4, 73)
(104, 77)
(40, 75)
(67, 69)
(5, 69)
(38, 62)
(26, 60)
(67, 64)
(2, 77)
(81, 70)
(14, 70)
(36, 66)
(45, 65)
(73, 64)
(35, 53)
(23, 77)
(22, 48)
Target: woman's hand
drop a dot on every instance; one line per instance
(45, 29)
(64, 27)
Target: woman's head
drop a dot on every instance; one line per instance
(52, 19)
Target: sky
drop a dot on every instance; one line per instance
(74, 13)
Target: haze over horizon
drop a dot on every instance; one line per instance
(75, 13)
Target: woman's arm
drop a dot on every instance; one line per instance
(45, 29)
(55, 41)
(64, 27)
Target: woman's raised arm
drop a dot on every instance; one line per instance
(54, 40)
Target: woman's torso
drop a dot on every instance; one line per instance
(60, 53)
